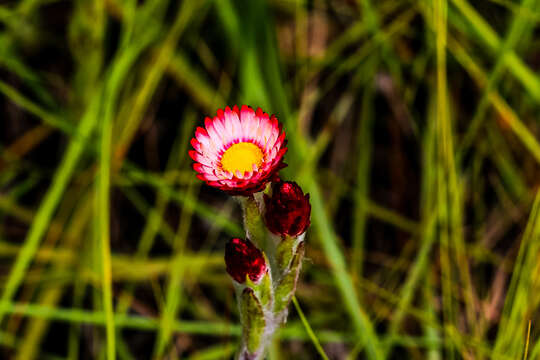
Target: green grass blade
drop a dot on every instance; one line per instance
(486, 34)
(48, 205)
(309, 330)
(521, 297)
(329, 242)
(516, 32)
(103, 226)
(361, 194)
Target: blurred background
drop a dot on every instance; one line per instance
(414, 126)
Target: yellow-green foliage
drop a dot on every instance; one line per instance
(413, 125)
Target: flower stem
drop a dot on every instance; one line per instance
(263, 304)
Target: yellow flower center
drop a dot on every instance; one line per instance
(241, 157)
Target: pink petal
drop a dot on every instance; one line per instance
(196, 144)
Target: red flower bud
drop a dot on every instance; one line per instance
(288, 210)
(243, 258)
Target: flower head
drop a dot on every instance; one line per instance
(288, 210)
(239, 151)
(242, 258)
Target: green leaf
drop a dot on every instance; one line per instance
(253, 322)
(287, 286)
(253, 222)
(285, 251)
(263, 288)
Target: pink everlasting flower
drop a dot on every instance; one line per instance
(239, 151)
(244, 259)
(288, 210)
